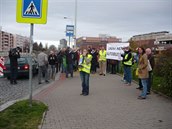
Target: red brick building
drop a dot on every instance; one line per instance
(96, 42)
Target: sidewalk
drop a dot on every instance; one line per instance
(110, 105)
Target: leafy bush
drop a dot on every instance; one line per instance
(163, 69)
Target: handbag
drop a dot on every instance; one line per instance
(149, 66)
(137, 71)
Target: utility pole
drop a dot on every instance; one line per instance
(75, 32)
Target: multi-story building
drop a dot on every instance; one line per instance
(147, 39)
(9, 40)
(21, 41)
(6, 41)
(96, 42)
(163, 42)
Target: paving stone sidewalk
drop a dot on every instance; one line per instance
(110, 105)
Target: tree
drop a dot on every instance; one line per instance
(133, 45)
(52, 48)
(35, 46)
(46, 46)
(40, 46)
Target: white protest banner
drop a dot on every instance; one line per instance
(114, 50)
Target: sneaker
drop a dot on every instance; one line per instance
(128, 84)
(141, 97)
(47, 81)
(148, 93)
(139, 88)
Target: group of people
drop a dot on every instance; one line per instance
(87, 61)
(68, 60)
(145, 65)
(64, 61)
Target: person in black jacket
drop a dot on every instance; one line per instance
(94, 60)
(52, 59)
(14, 54)
(69, 62)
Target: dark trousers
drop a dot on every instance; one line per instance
(150, 80)
(69, 70)
(14, 71)
(58, 67)
(85, 82)
(113, 68)
(140, 84)
(93, 67)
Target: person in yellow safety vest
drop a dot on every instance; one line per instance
(127, 62)
(84, 67)
(102, 61)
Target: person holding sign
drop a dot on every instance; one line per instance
(84, 68)
(102, 61)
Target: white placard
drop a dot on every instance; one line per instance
(114, 50)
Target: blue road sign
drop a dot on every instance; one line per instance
(32, 8)
(70, 30)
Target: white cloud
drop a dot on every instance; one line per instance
(121, 18)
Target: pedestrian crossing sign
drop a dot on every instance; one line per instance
(32, 11)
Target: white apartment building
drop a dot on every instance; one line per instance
(9, 40)
(20, 41)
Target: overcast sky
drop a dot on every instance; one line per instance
(120, 18)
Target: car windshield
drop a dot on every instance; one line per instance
(21, 60)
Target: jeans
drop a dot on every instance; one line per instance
(144, 84)
(127, 74)
(85, 82)
(52, 71)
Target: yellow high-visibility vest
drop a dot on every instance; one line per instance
(84, 66)
(128, 62)
(102, 55)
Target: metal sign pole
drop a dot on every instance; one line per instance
(30, 62)
(69, 40)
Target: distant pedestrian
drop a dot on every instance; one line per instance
(151, 62)
(84, 68)
(52, 59)
(94, 61)
(143, 72)
(43, 66)
(14, 54)
(102, 61)
(64, 64)
(69, 61)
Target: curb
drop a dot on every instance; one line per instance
(43, 119)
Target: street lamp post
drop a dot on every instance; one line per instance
(75, 31)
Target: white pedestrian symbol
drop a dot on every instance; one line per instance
(31, 9)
